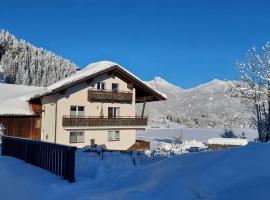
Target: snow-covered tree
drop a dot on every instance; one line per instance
(254, 85)
(23, 63)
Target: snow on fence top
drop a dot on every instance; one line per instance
(228, 141)
(13, 99)
(89, 70)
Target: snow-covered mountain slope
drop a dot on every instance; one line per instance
(24, 64)
(165, 87)
(207, 105)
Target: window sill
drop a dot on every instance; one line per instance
(76, 142)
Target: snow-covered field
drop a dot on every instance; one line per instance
(157, 136)
(240, 173)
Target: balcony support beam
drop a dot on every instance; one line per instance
(143, 108)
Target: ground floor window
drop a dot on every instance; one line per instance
(76, 137)
(113, 136)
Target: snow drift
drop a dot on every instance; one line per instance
(240, 173)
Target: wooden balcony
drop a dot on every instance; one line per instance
(70, 121)
(109, 96)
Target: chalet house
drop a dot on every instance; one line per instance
(94, 106)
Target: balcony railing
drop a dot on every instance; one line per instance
(71, 121)
(109, 96)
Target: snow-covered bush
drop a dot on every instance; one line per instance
(2, 129)
(183, 147)
(243, 135)
(228, 133)
(177, 139)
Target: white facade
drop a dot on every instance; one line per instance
(57, 105)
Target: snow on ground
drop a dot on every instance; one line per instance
(156, 136)
(228, 141)
(240, 173)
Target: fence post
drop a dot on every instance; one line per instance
(26, 152)
(2, 148)
(71, 164)
(102, 154)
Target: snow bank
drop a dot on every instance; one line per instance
(184, 147)
(156, 136)
(228, 141)
(240, 173)
(13, 99)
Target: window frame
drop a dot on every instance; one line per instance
(117, 88)
(101, 85)
(76, 137)
(115, 135)
(77, 111)
(114, 112)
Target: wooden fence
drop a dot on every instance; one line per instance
(58, 159)
(216, 147)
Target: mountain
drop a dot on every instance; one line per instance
(23, 63)
(207, 105)
(165, 87)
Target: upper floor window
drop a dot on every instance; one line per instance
(101, 86)
(115, 86)
(76, 111)
(113, 112)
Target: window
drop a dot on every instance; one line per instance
(101, 86)
(113, 136)
(115, 86)
(37, 125)
(76, 137)
(76, 111)
(113, 112)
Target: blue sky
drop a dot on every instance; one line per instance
(185, 42)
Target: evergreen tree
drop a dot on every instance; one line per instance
(23, 63)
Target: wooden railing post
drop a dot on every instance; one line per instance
(71, 164)
(144, 102)
(26, 152)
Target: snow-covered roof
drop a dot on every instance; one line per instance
(90, 70)
(228, 141)
(14, 99)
